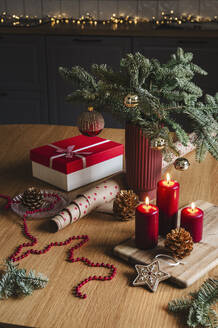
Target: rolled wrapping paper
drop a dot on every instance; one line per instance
(86, 203)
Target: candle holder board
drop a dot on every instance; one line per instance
(203, 258)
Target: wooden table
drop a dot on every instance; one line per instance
(109, 304)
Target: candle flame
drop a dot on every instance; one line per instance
(147, 200)
(168, 178)
(192, 206)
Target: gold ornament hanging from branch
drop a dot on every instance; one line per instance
(158, 143)
(131, 101)
(90, 123)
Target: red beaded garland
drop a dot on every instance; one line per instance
(84, 238)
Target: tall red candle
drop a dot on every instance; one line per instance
(146, 225)
(167, 202)
(192, 221)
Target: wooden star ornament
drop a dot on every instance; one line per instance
(150, 275)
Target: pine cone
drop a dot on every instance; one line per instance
(179, 242)
(32, 198)
(125, 204)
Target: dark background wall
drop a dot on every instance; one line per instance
(31, 90)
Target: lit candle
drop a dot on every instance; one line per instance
(192, 221)
(167, 202)
(146, 225)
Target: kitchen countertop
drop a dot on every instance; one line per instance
(146, 30)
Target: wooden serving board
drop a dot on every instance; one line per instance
(203, 258)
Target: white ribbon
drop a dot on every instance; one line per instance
(69, 152)
(171, 258)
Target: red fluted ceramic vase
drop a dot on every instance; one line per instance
(143, 164)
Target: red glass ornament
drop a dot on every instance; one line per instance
(90, 123)
(192, 221)
(168, 203)
(146, 226)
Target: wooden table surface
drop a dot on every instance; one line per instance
(111, 303)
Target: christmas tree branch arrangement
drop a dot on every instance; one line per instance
(198, 307)
(168, 99)
(16, 282)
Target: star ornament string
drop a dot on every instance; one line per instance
(17, 255)
(150, 275)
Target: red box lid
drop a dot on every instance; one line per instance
(100, 150)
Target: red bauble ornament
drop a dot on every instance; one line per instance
(90, 123)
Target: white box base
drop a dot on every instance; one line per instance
(80, 178)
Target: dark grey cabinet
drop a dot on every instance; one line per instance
(21, 107)
(205, 55)
(84, 51)
(32, 91)
(23, 84)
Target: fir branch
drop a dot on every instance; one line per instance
(16, 282)
(180, 305)
(167, 94)
(198, 308)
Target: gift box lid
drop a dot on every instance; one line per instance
(73, 154)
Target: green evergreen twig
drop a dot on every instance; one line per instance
(16, 282)
(198, 307)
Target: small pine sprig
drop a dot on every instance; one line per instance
(198, 307)
(17, 282)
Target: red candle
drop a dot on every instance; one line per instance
(192, 221)
(167, 202)
(146, 225)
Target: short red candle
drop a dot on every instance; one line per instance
(192, 221)
(167, 202)
(146, 226)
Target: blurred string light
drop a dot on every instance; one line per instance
(115, 22)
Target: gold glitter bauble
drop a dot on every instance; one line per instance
(131, 101)
(181, 164)
(158, 143)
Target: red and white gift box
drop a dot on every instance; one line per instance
(74, 162)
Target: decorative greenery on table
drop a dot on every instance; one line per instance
(198, 307)
(16, 282)
(169, 101)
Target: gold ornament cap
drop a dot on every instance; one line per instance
(131, 101)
